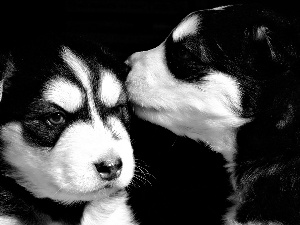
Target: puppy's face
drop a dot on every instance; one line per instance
(64, 123)
(206, 79)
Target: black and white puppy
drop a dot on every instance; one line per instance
(66, 155)
(229, 77)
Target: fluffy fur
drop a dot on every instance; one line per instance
(65, 155)
(229, 77)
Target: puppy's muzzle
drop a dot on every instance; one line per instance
(109, 169)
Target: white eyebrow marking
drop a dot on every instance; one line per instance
(186, 27)
(64, 94)
(83, 74)
(110, 89)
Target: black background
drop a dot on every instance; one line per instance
(191, 185)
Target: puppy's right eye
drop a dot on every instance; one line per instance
(56, 119)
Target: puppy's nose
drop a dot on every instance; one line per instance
(109, 169)
(134, 58)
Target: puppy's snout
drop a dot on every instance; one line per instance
(109, 169)
(134, 58)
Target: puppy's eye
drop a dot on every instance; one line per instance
(183, 53)
(56, 119)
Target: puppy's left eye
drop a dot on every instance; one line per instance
(183, 53)
(56, 119)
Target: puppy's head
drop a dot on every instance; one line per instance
(214, 72)
(64, 121)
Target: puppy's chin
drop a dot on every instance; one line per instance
(100, 194)
(68, 197)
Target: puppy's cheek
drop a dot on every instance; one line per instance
(29, 165)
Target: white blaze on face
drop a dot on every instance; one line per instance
(64, 94)
(82, 72)
(187, 27)
(110, 89)
(79, 68)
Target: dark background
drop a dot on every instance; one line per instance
(191, 185)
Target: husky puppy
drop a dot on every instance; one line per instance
(229, 77)
(65, 155)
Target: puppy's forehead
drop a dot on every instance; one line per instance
(187, 27)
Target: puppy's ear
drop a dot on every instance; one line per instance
(262, 34)
(272, 48)
(263, 45)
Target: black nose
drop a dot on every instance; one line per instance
(109, 169)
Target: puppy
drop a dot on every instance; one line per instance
(229, 77)
(66, 155)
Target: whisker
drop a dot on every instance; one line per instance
(142, 179)
(56, 193)
(174, 142)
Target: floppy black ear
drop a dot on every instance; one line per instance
(262, 34)
(264, 46)
(273, 47)
(272, 57)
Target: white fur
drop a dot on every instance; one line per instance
(64, 94)
(82, 72)
(97, 213)
(208, 111)
(186, 27)
(110, 89)
(6, 220)
(1, 88)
